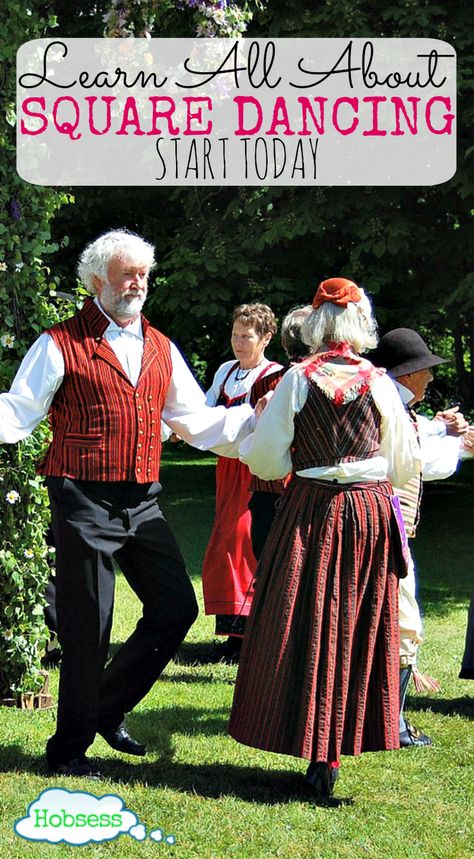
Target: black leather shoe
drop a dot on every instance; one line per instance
(321, 780)
(120, 740)
(412, 736)
(78, 767)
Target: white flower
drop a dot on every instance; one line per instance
(7, 341)
(28, 553)
(51, 550)
(12, 496)
(3, 266)
(52, 292)
(8, 635)
(19, 266)
(219, 16)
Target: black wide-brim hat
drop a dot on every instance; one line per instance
(403, 351)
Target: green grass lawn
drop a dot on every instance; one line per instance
(223, 800)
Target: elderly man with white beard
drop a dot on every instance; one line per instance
(106, 377)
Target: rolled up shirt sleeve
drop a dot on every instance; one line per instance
(27, 402)
(440, 453)
(205, 427)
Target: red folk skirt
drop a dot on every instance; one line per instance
(319, 667)
(229, 562)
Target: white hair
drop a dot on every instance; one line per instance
(329, 323)
(116, 244)
(291, 332)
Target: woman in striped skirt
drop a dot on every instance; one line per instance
(318, 674)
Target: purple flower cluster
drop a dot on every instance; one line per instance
(15, 209)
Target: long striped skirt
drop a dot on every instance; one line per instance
(318, 674)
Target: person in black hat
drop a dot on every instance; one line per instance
(443, 441)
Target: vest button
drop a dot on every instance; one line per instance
(138, 470)
(139, 458)
(139, 407)
(137, 394)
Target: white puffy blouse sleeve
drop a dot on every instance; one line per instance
(267, 450)
(398, 444)
(201, 425)
(27, 402)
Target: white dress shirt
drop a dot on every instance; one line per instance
(185, 410)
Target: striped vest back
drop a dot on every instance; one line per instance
(326, 433)
(103, 427)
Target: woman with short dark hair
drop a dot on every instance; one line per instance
(229, 563)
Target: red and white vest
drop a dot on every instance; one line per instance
(103, 427)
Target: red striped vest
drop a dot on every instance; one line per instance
(259, 389)
(103, 427)
(326, 434)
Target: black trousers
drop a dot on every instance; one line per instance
(262, 506)
(93, 524)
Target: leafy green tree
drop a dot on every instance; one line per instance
(27, 306)
(411, 247)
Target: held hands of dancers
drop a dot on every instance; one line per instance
(455, 422)
(468, 441)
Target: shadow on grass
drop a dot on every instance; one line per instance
(444, 546)
(439, 601)
(210, 781)
(191, 654)
(251, 784)
(197, 678)
(157, 727)
(446, 706)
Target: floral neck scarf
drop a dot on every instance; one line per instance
(339, 382)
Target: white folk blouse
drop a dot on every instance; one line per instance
(267, 450)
